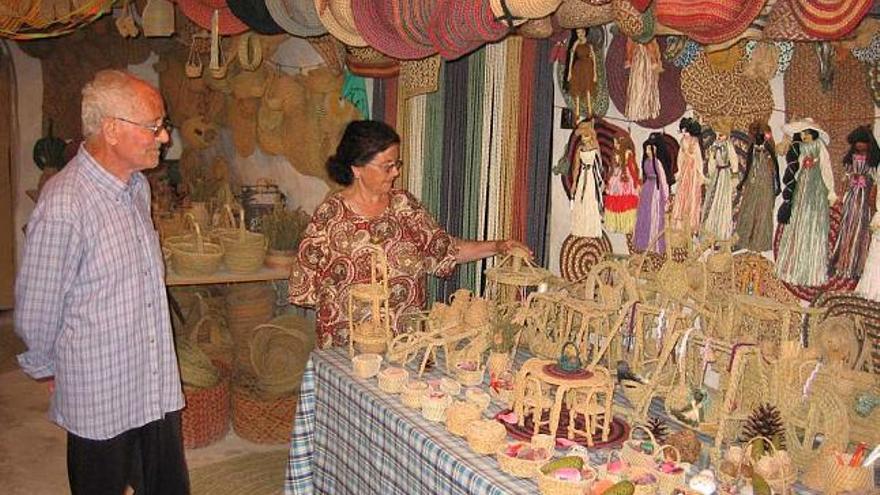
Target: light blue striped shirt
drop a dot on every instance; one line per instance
(91, 303)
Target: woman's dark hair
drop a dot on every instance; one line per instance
(360, 143)
(690, 126)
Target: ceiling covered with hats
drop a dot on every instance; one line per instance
(483, 92)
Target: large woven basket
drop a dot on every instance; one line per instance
(261, 419)
(279, 352)
(827, 476)
(195, 258)
(205, 419)
(247, 306)
(243, 251)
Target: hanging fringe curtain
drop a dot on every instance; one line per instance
(414, 156)
(432, 163)
(468, 274)
(524, 128)
(540, 152)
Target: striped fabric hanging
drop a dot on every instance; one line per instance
(524, 128)
(414, 154)
(468, 274)
(493, 128)
(509, 136)
(432, 163)
(540, 153)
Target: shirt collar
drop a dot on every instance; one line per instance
(106, 181)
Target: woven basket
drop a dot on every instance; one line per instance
(412, 394)
(434, 404)
(667, 482)
(632, 454)
(522, 468)
(460, 415)
(783, 482)
(549, 485)
(196, 368)
(247, 305)
(261, 419)
(243, 251)
(485, 436)
(211, 335)
(279, 352)
(205, 419)
(827, 476)
(478, 397)
(196, 258)
(366, 365)
(469, 378)
(392, 379)
(635, 472)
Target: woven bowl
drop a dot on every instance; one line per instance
(485, 436)
(392, 379)
(522, 468)
(412, 394)
(550, 485)
(434, 404)
(366, 365)
(460, 415)
(469, 373)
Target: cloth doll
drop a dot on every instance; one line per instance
(718, 203)
(622, 188)
(586, 182)
(643, 90)
(860, 163)
(580, 76)
(802, 258)
(690, 178)
(758, 189)
(650, 216)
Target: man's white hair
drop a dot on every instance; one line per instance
(112, 93)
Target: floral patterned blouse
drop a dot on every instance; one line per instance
(335, 253)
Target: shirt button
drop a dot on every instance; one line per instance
(149, 305)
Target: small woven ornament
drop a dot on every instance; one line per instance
(765, 421)
(687, 443)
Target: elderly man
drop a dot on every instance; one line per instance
(91, 304)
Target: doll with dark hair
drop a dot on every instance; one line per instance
(860, 163)
(689, 194)
(581, 73)
(718, 203)
(650, 217)
(758, 189)
(802, 257)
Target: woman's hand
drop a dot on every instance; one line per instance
(506, 246)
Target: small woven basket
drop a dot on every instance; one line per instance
(827, 476)
(243, 251)
(632, 454)
(434, 404)
(366, 365)
(485, 436)
(784, 480)
(548, 485)
(460, 415)
(668, 482)
(412, 394)
(196, 258)
(392, 379)
(205, 419)
(521, 468)
(261, 419)
(469, 378)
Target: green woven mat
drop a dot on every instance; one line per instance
(252, 474)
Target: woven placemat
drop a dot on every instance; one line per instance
(252, 474)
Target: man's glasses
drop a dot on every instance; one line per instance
(156, 129)
(386, 167)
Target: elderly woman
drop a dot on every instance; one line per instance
(339, 243)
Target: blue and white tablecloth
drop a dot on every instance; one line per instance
(349, 437)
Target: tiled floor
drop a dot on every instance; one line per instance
(32, 449)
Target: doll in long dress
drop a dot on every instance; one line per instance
(718, 203)
(851, 247)
(622, 188)
(802, 258)
(581, 74)
(651, 214)
(586, 182)
(690, 179)
(758, 189)
(869, 284)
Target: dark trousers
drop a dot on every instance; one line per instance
(150, 459)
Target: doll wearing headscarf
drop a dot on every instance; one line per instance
(622, 188)
(758, 189)
(586, 182)
(689, 194)
(718, 203)
(802, 258)
(860, 163)
(650, 217)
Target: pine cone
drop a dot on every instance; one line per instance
(658, 428)
(765, 421)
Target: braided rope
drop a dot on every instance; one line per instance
(415, 156)
(510, 136)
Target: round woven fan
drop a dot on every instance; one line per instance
(578, 255)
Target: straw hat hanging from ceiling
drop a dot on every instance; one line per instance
(708, 21)
(255, 15)
(368, 62)
(297, 17)
(382, 25)
(524, 9)
(458, 28)
(337, 17)
(573, 14)
(201, 11)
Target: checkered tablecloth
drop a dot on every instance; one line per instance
(351, 437)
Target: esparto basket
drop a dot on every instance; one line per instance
(828, 476)
(261, 419)
(668, 482)
(459, 415)
(279, 352)
(631, 451)
(392, 379)
(205, 419)
(412, 394)
(484, 436)
(548, 485)
(515, 466)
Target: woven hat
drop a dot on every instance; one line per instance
(573, 14)
(537, 28)
(754, 31)
(672, 103)
(783, 25)
(368, 62)
(201, 11)
(158, 18)
(830, 19)
(297, 17)
(708, 21)
(383, 24)
(524, 9)
(337, 17)
(255, 14)
(792, 128)
(637, 25)
(458, 28)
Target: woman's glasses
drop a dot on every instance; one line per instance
(386, 167)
